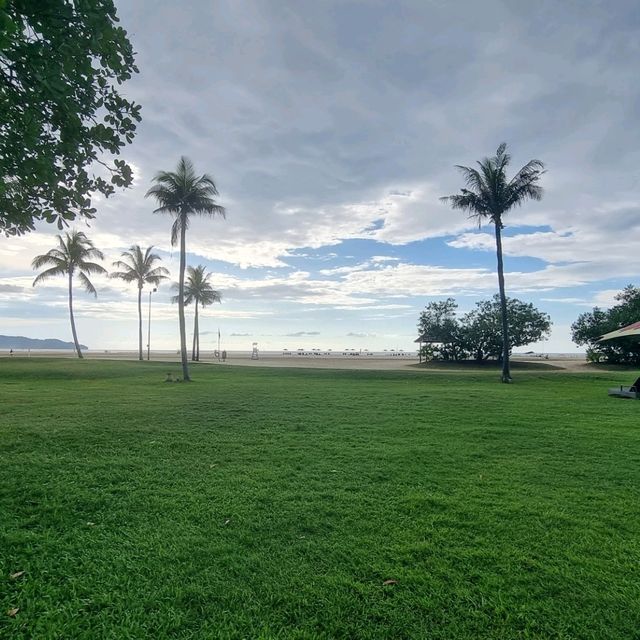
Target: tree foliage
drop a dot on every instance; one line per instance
(139, 266)
(478, 334)
(488, 195)
(182, 194)
(481, 327)
(63, 118)
(438, 323)
(591, 325)
(198, 291)
(72, 257)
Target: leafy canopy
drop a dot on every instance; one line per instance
(197, 288)
(63, 118)
(482, 330)
(438, 323)
(139, 266)
(73, 255)
(590, 326)
(489, 194)
(181, 193)
(478, 334)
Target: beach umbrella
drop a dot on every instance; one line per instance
(630, 330)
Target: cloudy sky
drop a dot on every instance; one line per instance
(331, 129)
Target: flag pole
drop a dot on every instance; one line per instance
(218, 343)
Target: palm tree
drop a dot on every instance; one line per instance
(198, 289)
(72, 256)
(488, 196)
(181, 194)
(138, 267)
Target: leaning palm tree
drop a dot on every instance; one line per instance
(181, 193)
(198, 290)
(72, 256)
(488, 196)
(138, 266)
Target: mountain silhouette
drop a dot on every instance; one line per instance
(20, 342)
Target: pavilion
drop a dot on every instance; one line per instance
(425, 339)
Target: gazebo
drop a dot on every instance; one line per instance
(630, 330)
(425, 339)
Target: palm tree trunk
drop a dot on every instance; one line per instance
(195, 335)
(198, 343)
(140, 324)
(506, 375)
(183, 331)
(73, 322)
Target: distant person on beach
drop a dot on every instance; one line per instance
(224, 355)
(10, 352)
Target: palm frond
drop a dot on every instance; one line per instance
(206, 184)
(94, 253)
(167, 199)
(86, 283)
(208, 297)
(197, 287)
(204, 207)
(488, 193)
(138, 266)
(49, 273)
(91, 267)
(175, 231)
(472, 178)
(47, 258)
(188, 297)
(502, 159)
(158, 272)
(468, 201)
(182, 193)
(524, 185)
(166, 180)
(127, 276)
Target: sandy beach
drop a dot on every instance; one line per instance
(373, 362)
(396, 364)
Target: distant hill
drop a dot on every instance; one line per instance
(20, 342)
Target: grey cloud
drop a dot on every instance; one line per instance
(312, 108)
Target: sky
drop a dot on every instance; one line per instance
(331, 130)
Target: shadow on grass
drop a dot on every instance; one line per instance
(487, 365)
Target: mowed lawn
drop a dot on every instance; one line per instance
(275, 503)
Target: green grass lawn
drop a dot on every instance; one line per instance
(275, 503)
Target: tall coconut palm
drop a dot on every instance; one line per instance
(138, 266)
(489, 195)
(198, 290)
(71, 257)
(182, 193)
